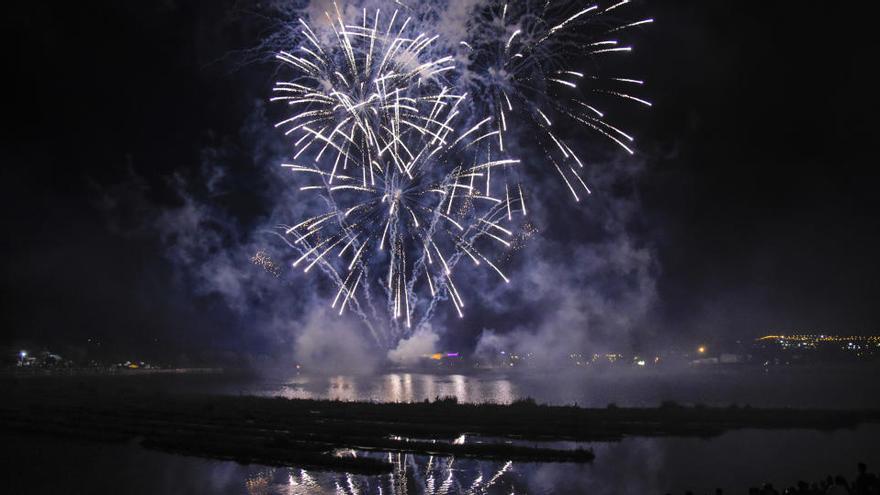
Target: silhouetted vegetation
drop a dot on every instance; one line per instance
(865, 483)
(524, 402)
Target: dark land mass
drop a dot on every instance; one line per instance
(310, 433)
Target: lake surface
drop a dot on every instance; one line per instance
(735, 460)
(839, 386)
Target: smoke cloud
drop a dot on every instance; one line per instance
(410, 350)
(326, 343)
(590, 291)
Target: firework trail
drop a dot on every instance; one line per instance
(376, 134)
(524, 63)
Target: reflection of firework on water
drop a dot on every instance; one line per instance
(397, 179)
(524, 62)
(260, 482)
(261, 259)
(411, 474)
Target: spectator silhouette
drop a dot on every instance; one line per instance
(839, 487)
(769, 490)
(866, 483)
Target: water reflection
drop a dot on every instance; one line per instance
(460, 388)
(411, 475)
(342, 388)
(835, 387)
(733, 461)
(396, 387)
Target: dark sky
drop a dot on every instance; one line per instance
(759, 189)
(767, 197)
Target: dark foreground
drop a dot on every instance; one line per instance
(865, 483)
(309, 434)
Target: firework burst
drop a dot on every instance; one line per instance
(524, 62)
(401, 136)
(345, 88)
(397, 175)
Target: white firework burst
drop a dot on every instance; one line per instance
(397, 175)
(525, 63)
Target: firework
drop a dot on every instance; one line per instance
(395, 171)
(403, 148)
(346, 89)
(261, 259)
(524, 61)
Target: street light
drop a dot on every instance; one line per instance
(701, 349)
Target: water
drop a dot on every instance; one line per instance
(735, 460)
(840, 386)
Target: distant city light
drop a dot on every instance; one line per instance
(813, 338)
(23, 354)
(701, 349)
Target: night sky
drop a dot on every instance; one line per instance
(756, 188)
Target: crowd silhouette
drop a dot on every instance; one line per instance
(865, 483)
